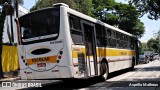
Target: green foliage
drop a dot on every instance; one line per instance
(123, 16)
(148, 6)
(145, 47)
(48, 3)
(83, 6)
(153, 44)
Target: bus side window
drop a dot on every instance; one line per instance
(109, 37)
(75, 29)
(121, 40)
(129, 42)
(105, 36)
(118, 39)
(126, 42)
(99, 35)
(114, 39)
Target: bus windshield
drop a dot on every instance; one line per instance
(40, 26)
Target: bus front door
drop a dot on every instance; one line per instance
(89, 38)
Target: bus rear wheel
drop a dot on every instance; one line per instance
(104, 71)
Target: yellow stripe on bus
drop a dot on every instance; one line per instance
(51, 59)
(104, 52)
(114, 52)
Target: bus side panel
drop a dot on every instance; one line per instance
(117, 58)
(21, 57)
(66, 66)
(79, 62)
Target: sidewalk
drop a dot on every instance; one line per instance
(10, 76)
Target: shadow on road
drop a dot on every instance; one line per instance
(114, 74)
(151, 68)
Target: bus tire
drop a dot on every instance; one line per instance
(104, 71)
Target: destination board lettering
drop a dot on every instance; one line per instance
(123, 53)
(35, 60)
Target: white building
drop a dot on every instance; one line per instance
(7, 25)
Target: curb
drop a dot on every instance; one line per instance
(9, 79)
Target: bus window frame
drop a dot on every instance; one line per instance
(71, 28)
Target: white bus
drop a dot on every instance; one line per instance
(59, 42)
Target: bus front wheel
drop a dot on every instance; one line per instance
(104, 71)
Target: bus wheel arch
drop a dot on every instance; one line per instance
(104, 69)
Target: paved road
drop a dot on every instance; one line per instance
(144, 77)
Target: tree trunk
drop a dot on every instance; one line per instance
(2, 19)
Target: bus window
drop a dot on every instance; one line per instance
(99, 35)
(118, 39)
(121, 40)
(114, 39)
(105, 36)
(75, 29)
(74, 23)
(109, 33)
(111, 38)
(43, 25)
(128, 43)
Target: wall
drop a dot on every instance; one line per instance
(7, 25)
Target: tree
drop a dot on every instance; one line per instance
(83, 6)
(123, 16)
(153, 44)
(144, 47)
(147, 6)
(48, 3)
(7, 9)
